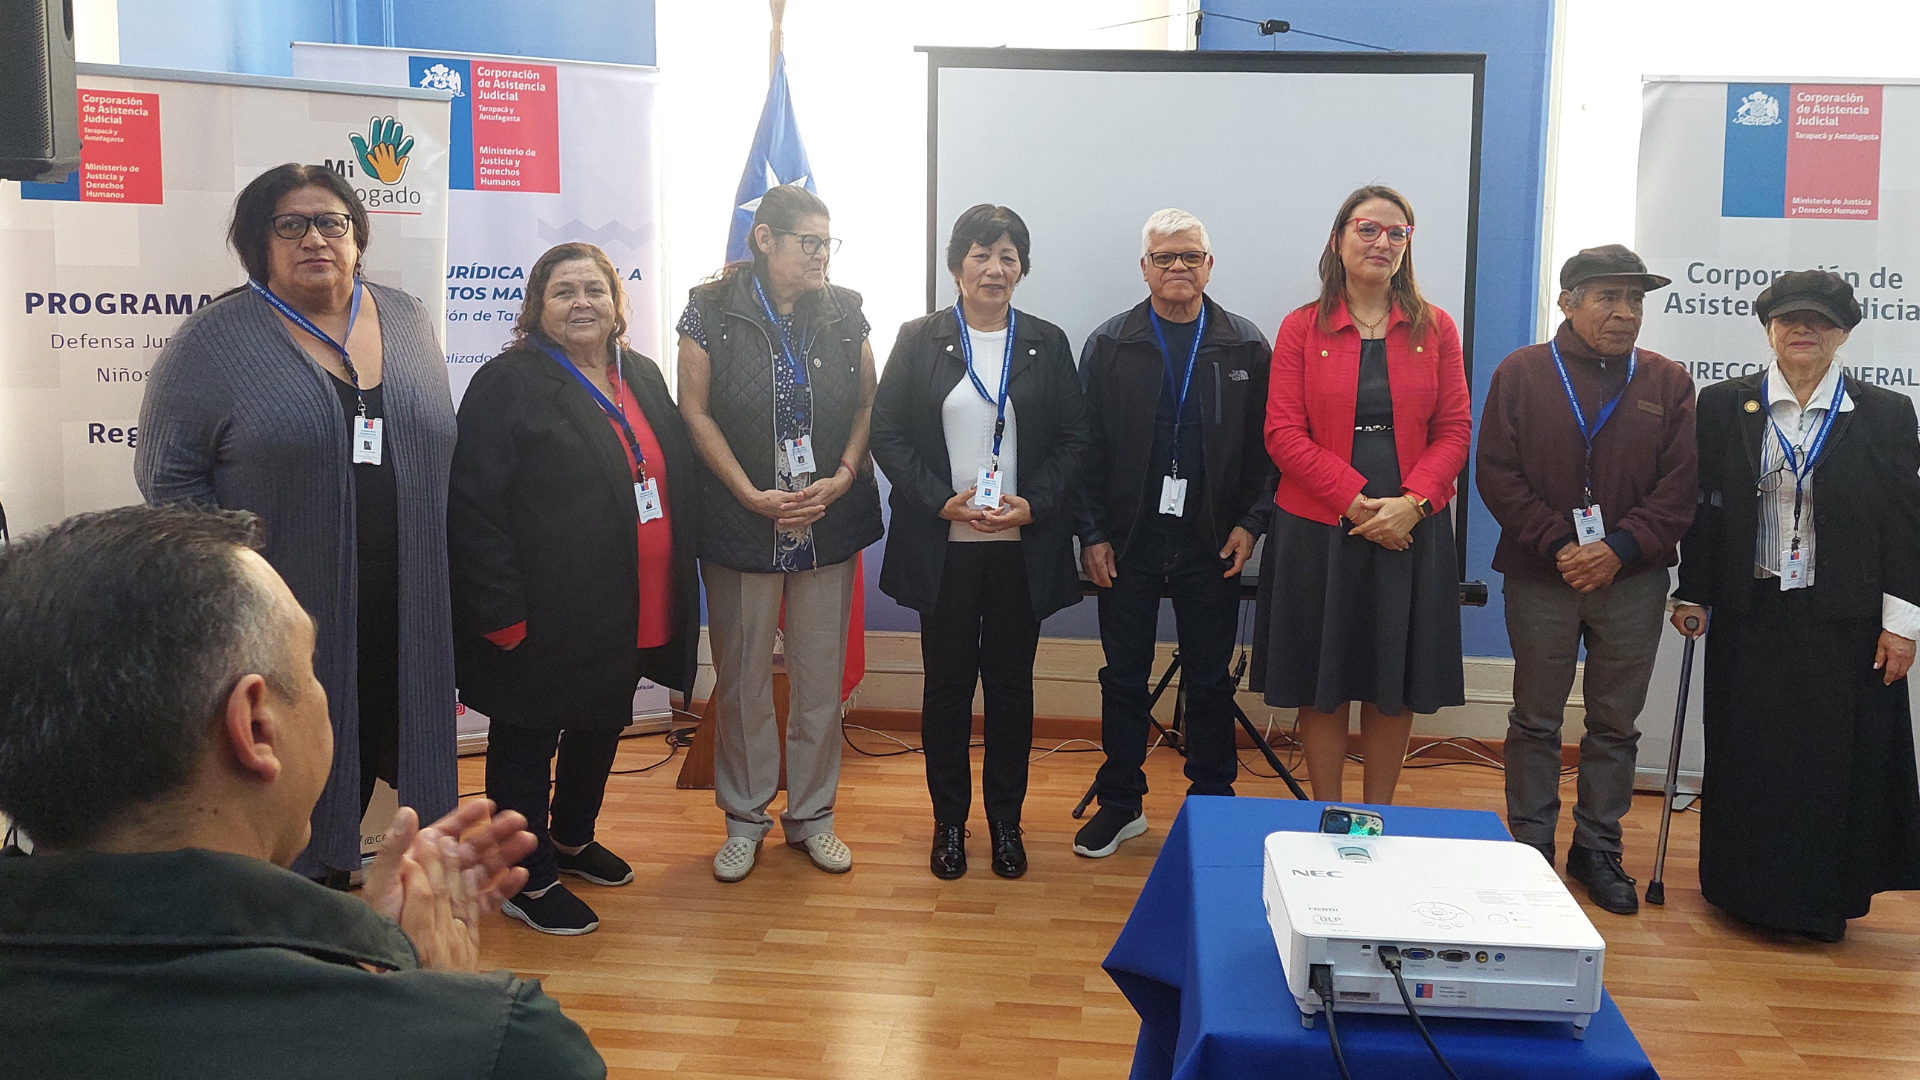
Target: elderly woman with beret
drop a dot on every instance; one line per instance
(1806, 552)
(319, 401)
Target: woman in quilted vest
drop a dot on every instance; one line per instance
(776, 384)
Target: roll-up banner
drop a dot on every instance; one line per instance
(96, 273)
(543, 152)
(1742, 180)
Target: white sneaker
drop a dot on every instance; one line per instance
(827, 852)
(735, 858)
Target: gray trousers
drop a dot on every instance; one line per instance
(1547, 623)
(743, 610)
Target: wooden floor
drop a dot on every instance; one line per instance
(889, 972)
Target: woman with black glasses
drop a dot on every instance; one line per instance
(981, 427)
(776, 384)
(319, 401)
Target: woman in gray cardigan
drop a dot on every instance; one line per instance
(320, 403)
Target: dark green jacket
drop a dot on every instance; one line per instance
(196, 964)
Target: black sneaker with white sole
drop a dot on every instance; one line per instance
(596, 864)
(1102, 836)
(554, 911)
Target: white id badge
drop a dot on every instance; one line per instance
(986, 489)
(1173, 495)
(1587, 526)
(800, 455)
(366, 440)
(646, 494)
(1793, 568)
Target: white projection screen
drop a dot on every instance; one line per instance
(1262, 147)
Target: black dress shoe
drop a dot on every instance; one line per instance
(1546, 850)
(1606, 883)
(1009, 854)
(949, 858)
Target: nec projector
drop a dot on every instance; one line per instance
(1484, 927)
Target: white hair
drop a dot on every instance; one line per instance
(1171, 222)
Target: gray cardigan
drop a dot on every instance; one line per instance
(238, 416)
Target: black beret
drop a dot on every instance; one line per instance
(1810, 290)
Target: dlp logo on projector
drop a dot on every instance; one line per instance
(1318, 873)
(381, 155)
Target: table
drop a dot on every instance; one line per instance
(1198, 962)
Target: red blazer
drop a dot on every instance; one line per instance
(1310, 402)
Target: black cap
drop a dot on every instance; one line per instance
(1810, 290)
(1608, 261)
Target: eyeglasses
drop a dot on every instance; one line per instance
(1369, 230)
(811, 244)
(1775, 480)
(1164, 260)
(295, 226)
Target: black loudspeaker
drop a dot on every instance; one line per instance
(39, 116)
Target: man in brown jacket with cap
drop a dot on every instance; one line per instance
(1587, 460)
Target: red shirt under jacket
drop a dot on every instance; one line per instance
(655, 540)
(1310, 404)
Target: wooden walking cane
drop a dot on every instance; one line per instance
(1657, 889)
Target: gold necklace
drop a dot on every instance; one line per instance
(1373, 328)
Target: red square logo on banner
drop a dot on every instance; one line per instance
(516, 127)
(1833, 153)
(119, 147)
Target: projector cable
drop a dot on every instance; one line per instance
(1320, 978)
(1390, 959)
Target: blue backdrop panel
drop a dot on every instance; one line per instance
(251, 36)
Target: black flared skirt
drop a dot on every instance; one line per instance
(1343, 619)
(1809, 803)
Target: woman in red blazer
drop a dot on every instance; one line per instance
(1369, 420)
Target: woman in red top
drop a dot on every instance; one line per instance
(1368, 418)
(572, 564)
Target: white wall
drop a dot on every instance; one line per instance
(1610, 44)
(96, 31)
(860, 92)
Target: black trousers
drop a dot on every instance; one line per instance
(1204, 607)
(520, 761)
(981, 628)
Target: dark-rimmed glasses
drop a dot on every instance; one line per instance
(1164, 260)
(811, 244)
(294, 226)
(1369, 230)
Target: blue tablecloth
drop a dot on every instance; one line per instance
(1198, 962)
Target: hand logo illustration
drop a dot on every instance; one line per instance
(383, 153)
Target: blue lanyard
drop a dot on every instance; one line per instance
(786, 343)
(1179, 407)
(1802, 471)
(301, 321)
(1006, 369)
(1587, 434)
(618, 414)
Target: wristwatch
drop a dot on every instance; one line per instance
(1420, 503)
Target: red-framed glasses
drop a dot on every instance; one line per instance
(1369, 230)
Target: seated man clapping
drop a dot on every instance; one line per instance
(162, 742)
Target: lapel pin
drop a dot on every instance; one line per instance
(1752, 405)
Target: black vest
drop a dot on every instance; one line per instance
(743, 356)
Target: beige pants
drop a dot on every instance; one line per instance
(743, 611)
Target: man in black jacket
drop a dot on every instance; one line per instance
(162, 741)
(1175, 512)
